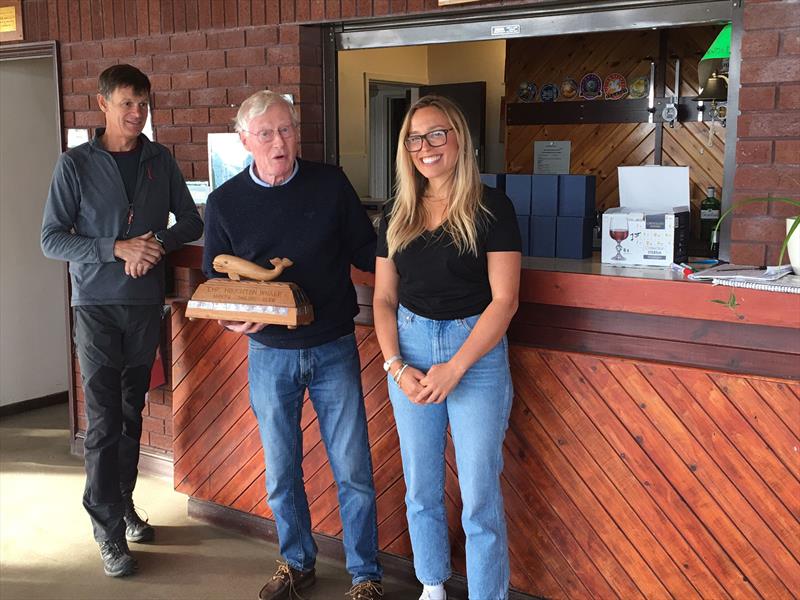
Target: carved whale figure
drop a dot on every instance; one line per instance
(239, 268)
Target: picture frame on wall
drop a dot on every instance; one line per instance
(11, 26)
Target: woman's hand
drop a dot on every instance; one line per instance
(438, 383)
(409, 382)
(242, 327)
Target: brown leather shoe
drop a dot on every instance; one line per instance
(286, 582)
(366, 590)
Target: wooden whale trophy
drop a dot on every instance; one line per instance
(250, 294)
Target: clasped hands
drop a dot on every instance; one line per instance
(140, 254)
(431, 387)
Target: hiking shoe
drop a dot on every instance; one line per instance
(366, 590)
(117, 559)
(286, 583)
(137, 530)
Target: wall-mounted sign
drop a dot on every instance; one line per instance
(551, 158)
(506, 30)
(449, 2)
(10, 20)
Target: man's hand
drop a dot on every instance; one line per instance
(242, 327)
(140, 253)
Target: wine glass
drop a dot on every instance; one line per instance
(618, 231)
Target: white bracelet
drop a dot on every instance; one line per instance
(399, 373)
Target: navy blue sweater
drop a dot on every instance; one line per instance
(317, 221)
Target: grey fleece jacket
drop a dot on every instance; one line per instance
(87, 210)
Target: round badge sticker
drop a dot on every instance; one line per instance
(639, 88)
(615, 87)
(527, 91)
(549, 92)
(569, 88)
(591, 86)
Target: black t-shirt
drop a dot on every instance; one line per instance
(436, 281)
(128, 165)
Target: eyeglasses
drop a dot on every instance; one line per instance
(435, 138)
(265, 136)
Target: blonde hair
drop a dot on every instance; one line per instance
(259, 103)
(464, 189)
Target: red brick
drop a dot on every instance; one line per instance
(186, 168)
(188, 42)
(170, 99)
(76, 102)
(363, 8)
(243, 57)
(769, 125)
(168, 422)
(143, 63)
(191, 151)
(152, 45)
(238, 95)
(223, 116)
(92, 118)
(757, 98)
(233, 38)
(208, 97)
(84, 85)
(790, 41)
(163, 442)
(290, 74)
(262, 76)
(119, 48)
(751, 208)
(200, 133)
(144, 439)
(283, 55)
(153, 425)
(754, 153)
(787, 152)
(86, 50)
(766, 179)
(748, 254)
(160, 81)
(774, 255)
(289, 34)
(207, 59)
(348, 9)
(758, 229)
(771, 15)
(173, 135)
(162, 116)
(768, 70)
(170, 63)
(96, 66)
(760, 43)
(789, 97)
(226, 78)
(73, 68)
(261, 36)
(190, 116)
(189, 81)
(784, 209)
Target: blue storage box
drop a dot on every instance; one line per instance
(524, 234)
(518, 188)
(576, 195)
(544, 195)
(494, 180)
(574, 237)
(543, 236)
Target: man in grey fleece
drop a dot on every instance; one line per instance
(107, 214)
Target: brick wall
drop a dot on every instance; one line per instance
(768, 148)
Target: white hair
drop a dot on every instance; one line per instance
(259, 103)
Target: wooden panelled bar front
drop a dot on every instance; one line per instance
(652, 449)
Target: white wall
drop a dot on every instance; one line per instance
(476, 61)
(33, 348)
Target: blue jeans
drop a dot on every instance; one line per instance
(477, 411)
(332, 374)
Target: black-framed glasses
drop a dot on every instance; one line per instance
(265, 136)
(435, 138)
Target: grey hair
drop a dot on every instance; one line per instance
(259, 103)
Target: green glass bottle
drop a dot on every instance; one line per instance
(709, 215)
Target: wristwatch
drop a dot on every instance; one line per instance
(390, 360)
(160, 240)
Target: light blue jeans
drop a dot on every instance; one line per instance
(477, 411)
(332, 374)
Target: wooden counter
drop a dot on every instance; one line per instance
(652, 448)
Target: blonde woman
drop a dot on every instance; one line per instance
(446, 287)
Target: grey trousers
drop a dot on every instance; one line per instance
(116, 346)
